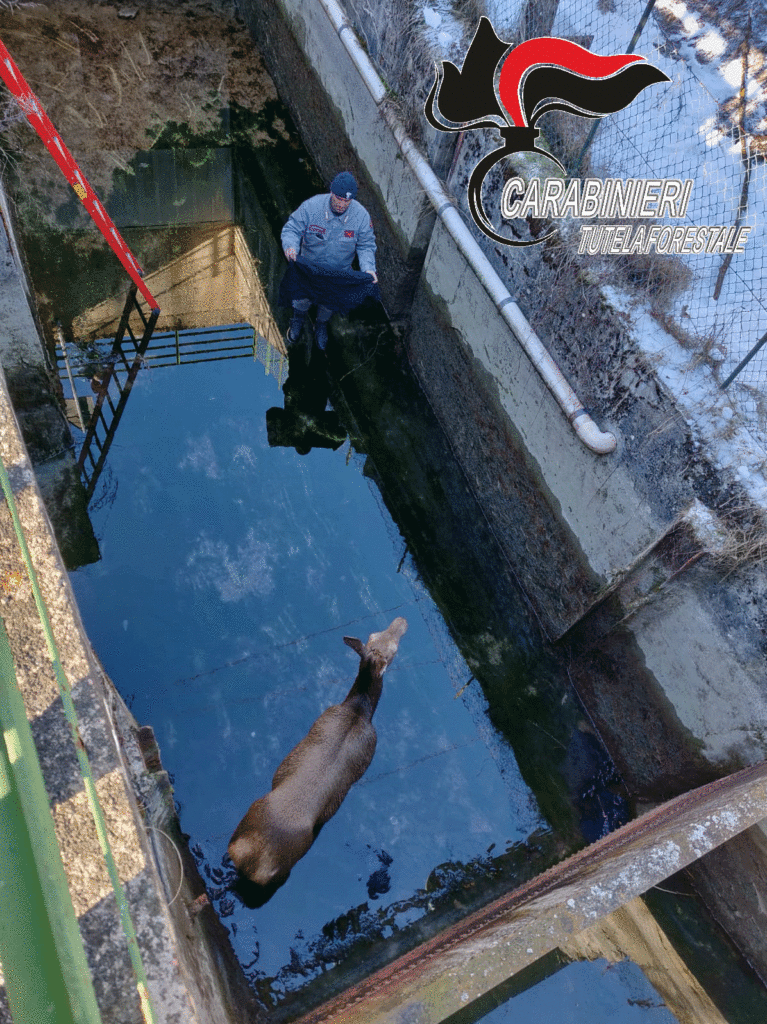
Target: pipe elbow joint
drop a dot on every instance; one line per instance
(598, 441)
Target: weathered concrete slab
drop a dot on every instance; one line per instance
(485, 948)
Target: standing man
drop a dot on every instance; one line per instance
(320, 240)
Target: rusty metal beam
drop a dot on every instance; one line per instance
(465, 961)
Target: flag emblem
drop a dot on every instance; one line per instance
(537, 76)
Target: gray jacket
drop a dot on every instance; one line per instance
(330, 240)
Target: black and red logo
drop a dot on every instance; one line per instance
(535, 77)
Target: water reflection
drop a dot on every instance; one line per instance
(305, 422)
(584, 992)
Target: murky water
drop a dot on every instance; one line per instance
(230, 572)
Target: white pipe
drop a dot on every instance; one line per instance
(348, 37)
(584, 426)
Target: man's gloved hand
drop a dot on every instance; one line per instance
(373, 275)
(290, 254)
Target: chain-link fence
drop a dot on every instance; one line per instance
(709, 124)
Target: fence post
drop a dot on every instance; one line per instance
(629, 49)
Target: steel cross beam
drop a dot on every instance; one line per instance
(444, 974)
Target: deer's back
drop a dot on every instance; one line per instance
(318, 772)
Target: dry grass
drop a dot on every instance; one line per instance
(745, 537)
(393, 35)
(659, 278)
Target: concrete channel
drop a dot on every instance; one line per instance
(665, 653)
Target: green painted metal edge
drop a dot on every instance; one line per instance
(85, 768)
(46, 972)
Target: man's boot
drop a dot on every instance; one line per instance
(294, 328)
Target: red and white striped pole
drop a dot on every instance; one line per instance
(39, 120)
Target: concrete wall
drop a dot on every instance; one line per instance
(193, 975)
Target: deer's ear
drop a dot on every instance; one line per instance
(355, 644)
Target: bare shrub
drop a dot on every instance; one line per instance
(660, 278)
(745, 542)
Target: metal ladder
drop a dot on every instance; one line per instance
(106, 413)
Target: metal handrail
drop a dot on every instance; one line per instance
(45, 968)
(87, 775)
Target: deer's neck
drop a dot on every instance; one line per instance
(367, 687)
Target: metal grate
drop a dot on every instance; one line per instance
(112, 365)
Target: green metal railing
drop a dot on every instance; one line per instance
(46, 972)
(44, 964)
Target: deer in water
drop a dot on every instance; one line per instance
(311, 783)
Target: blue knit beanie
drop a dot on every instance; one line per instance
(344, 186)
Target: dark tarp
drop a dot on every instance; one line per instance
(341, 290)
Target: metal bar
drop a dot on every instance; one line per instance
(116, 348)
(190, 332)
(744, 361)
(208, 359)
(38, 119)
(130, 301)
(745, 158)
(178, 354)
(171, 345)
(197, 351)
(124, 395)
(60, 339)
(445, 974)
(140, 312)
(44, 963)
(160, 351)
(629, 49)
